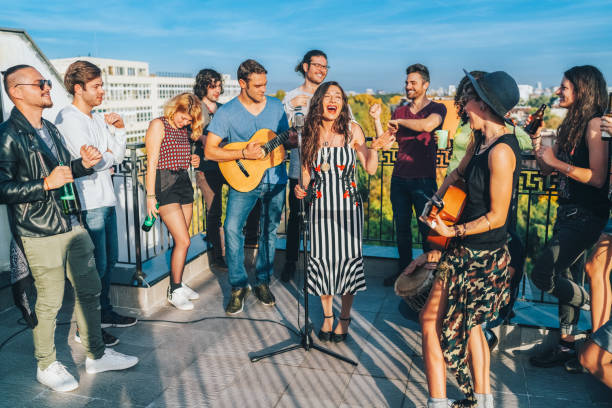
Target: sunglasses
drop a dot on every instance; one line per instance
(40, 83)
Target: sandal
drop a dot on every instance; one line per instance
(323, 335)
(339, 338)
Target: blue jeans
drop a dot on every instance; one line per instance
(101, 224)
(239, 205)
(406, 193)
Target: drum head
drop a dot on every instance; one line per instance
(411, 285)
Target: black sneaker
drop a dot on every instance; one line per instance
(264, 295)
(236, 303)
(552, 358)
(288, 271)
(112, 319)
(109, 339)
(573, 366)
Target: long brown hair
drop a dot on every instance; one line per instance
(314, 121)
(590, 101)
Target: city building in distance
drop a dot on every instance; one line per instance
(136, 94)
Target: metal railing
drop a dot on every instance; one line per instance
(535, 215)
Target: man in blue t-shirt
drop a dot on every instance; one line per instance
(237, 121)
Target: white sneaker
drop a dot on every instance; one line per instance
(179, 299)
(189, 293)
(57, 378)
(111, 360)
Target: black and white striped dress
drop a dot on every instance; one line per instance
(335, 265)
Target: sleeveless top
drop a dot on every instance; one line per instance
(572, 192)
(478, 202)
(174, 152)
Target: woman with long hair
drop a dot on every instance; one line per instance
(580, 158)
(472, 277)
(168, 184)
(331, 144)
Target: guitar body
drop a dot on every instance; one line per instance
(454, 202)
(234, 170)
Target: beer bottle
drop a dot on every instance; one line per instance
(70, 206)
(605, 135)
(149, 221)
(536, 120)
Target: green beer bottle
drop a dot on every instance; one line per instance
(70, 206)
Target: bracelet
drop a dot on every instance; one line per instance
(243, 156)
(151, 196)
(488, 222)
(569, 168)
(456, 230)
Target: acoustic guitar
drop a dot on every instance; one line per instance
(450, 210)
(246, 174)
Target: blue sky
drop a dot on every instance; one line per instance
(369, 43)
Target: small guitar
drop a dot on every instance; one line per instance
(245, 174)
(449, 209)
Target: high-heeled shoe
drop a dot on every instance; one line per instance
(323, 335)
(339, 338)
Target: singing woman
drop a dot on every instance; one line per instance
(331, 144)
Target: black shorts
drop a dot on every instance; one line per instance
(173, 186)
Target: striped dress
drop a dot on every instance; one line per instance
(335, 264)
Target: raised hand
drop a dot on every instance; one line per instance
(300, 100)
(385, 141)
(375, 111)
(90, 155)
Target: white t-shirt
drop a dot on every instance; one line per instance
(78, 129)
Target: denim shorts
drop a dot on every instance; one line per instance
(603, 336)
(173, 186)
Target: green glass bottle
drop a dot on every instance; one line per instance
(149, 221)
(70, 206)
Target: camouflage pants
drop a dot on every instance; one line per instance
(478, 287)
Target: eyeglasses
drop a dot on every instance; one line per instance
(41, 84)
(317, 65)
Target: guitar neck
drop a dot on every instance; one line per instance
(277, 141)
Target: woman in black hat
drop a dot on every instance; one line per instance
(581, 159)
(472, 276)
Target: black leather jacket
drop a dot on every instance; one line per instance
(25, 160)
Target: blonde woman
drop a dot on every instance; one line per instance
(168, 183)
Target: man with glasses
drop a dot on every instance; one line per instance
(313, 68)
(34, 166)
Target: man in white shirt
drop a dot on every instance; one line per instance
(79, 126)
(313, 68)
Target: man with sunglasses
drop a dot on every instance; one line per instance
(34, 165)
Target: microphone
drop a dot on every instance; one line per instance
(298, 124)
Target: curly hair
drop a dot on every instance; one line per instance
(590, 101)
(190, 104)
(466, 91)
(206, 78)
(314, 121)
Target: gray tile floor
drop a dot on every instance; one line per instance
(207, 363)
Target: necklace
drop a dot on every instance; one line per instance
(325, 165)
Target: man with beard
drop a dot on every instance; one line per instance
(313, 68)
(237, 121)
(34, 166)
(414, 174)
(79, 126)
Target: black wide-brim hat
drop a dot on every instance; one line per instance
(498, 90)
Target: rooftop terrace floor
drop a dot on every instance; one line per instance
(206, 364)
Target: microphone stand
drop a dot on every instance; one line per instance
(305, 342)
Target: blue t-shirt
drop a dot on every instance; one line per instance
(233, 123)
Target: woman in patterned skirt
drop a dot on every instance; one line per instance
(331, 145)
(168, 183)
(472, 277)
